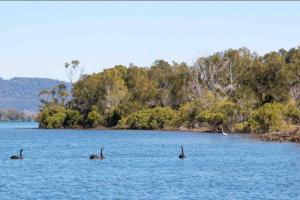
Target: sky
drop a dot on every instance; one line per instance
(37, 38)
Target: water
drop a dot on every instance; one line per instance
(144, 165)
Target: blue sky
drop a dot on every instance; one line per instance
(37, 38)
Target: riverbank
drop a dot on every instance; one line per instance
(291, 136)
(286, 137)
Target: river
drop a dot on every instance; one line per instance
(144, 165)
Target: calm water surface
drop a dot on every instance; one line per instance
(144, 165)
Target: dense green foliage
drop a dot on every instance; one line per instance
(268, 118)
(153, 118)
(236, 90)
(52, 116)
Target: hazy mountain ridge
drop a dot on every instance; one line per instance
(21, 93)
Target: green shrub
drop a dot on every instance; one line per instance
(151, 118)
(214, 119)
(94, 119)
(267, 119)
(52, 117)
(292, 113)
(188, 115)
(190, 111)
(72, 119)
(231, 112)
(223, 113)
(241, 127)
(138, 120)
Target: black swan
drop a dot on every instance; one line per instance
(20, 157)
(97, 157)
(182, 156)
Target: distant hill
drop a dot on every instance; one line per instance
(22, 93)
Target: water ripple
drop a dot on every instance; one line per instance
(145, 165)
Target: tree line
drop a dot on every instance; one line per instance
(14, 115)
(235, 89)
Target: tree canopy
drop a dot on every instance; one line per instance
(236, 89)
